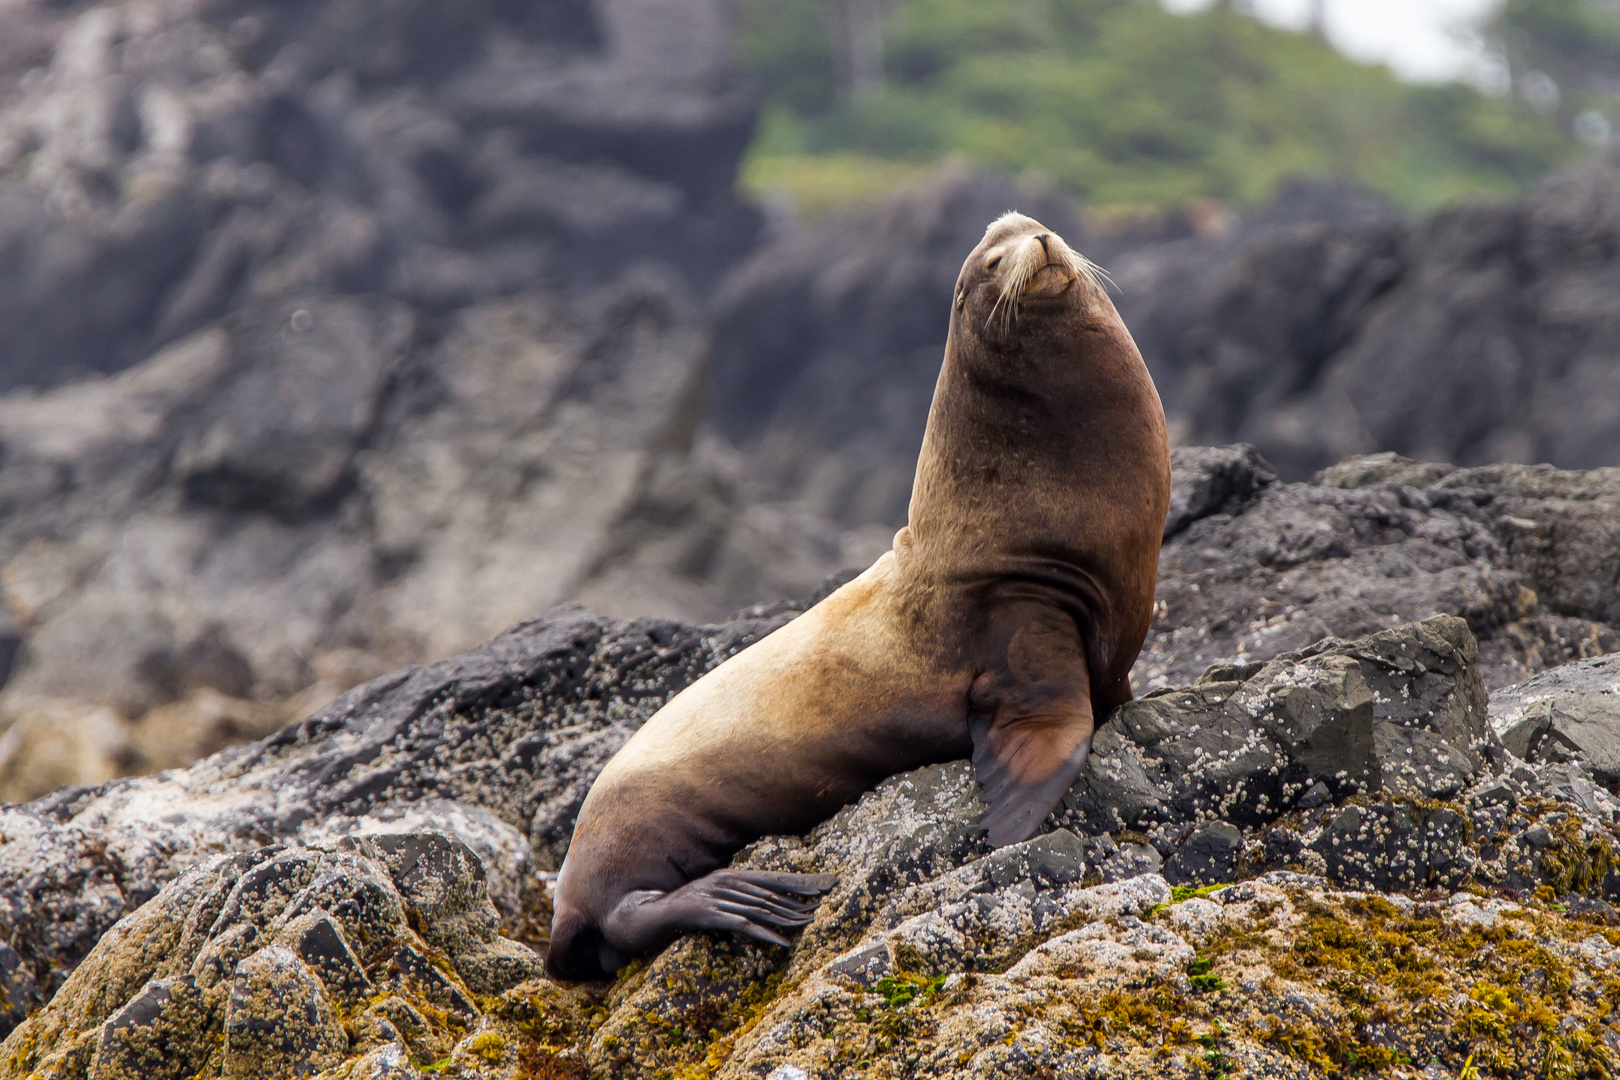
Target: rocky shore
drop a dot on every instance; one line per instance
(1390, 848)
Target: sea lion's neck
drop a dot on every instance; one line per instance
(1026, 445)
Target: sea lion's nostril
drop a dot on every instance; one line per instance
(1043, 238)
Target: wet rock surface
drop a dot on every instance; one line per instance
(933, 956)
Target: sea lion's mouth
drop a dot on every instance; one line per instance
(1049, 282)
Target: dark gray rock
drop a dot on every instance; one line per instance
(1209, 855)
(1522, 553)
(193, 527)
(1481, 334)
(263, 440)
(1402, 710)
(341, 339)
(308, 148)
(279, 1020)
(496, 747)
(864, 966)
(1572, 711)
(1057, 858)
(320, 944)
(1210, 480)
(19, 992)
(1394, 847)
(1129, 861)
(161, 1033)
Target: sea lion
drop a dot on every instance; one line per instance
(1005, 619)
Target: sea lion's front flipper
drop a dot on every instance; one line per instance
(1032, 721)
(1031, 734)
(1055, 750)
(758, 903)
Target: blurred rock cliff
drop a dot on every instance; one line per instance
(340, 336)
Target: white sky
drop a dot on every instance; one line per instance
(1418, 39)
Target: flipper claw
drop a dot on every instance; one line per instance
(755, 903)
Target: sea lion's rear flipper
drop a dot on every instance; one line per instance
(1031, 734)
(758, 903)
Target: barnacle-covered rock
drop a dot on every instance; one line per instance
(285, 962)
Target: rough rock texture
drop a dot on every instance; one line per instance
(496, 747)
(933, 956)
(1402, 711)
(499, 746)
(177, 161)
(1485, 333)
(1253, 568)
(1569, 713)
(341, 337)
(284, 961)
(186, 545)
(1369, 764)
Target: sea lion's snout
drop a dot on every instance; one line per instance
(1056, 270)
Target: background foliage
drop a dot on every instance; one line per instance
(1131, 107)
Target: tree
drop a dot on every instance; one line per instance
(1562, 56)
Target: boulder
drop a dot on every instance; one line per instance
(1258, 568)
(1401, 711)
(496, 747)
(1480, 334)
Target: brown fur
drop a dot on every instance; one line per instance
(1021, 589)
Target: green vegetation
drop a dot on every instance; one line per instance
(1198, 974)
(1127, 106)
(1564, 57)
(900, 991)
(1216, 1060)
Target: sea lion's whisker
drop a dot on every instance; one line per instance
(1095, 273)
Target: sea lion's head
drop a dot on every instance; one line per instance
(1024, 277)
